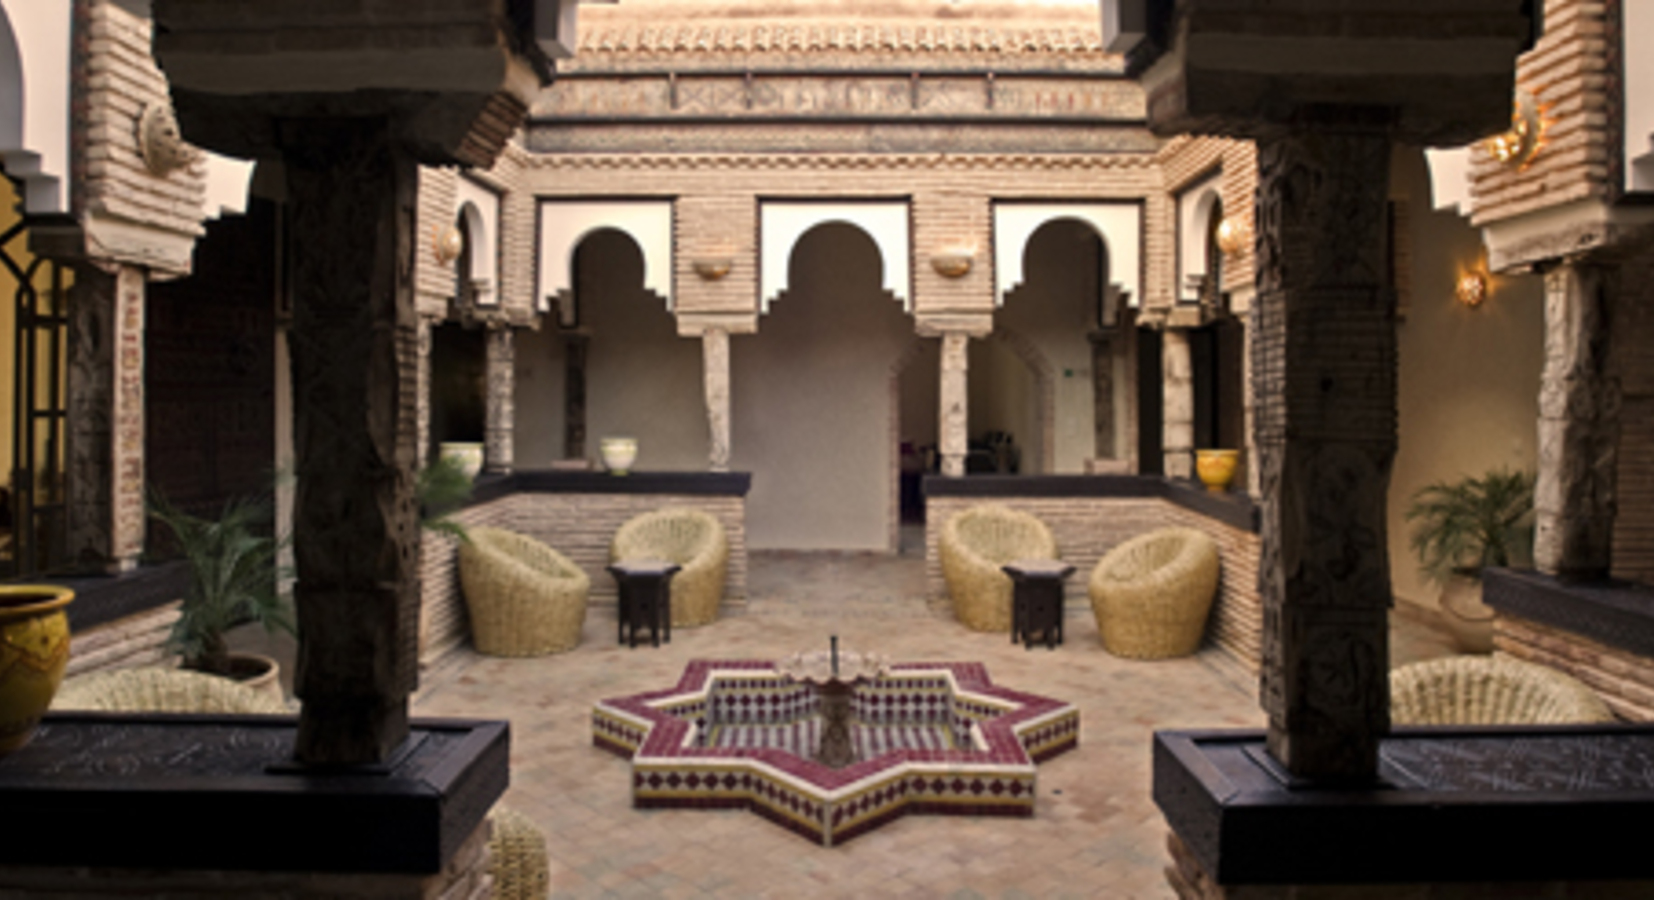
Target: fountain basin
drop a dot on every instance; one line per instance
(930, 738)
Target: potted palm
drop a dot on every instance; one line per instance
(442, 488)
(1463, 527)
(234, 577)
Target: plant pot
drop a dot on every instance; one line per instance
(258, 672)
(34, 650)
(1468, 619)
(468, 454)
(1216, 468)
(618, 454)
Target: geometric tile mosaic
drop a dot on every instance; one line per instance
(936, 738)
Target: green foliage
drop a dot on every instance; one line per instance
(442, 488)
(233, 578)
(1471, 524)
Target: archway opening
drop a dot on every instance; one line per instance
(1035, 383)
(814, 413)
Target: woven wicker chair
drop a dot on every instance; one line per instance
(151, 689)
(525, 598)
(1151, 594)
(973, 545)
(694, 540)
(1489, 690)
(517, 856)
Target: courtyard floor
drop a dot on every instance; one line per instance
(1095, 832)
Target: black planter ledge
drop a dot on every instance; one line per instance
(190, 792)
(1506, 804)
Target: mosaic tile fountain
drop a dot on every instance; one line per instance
(927, 738)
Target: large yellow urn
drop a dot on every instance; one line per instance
(34, 650)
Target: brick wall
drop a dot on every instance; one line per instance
(1184, 160)
(1088, 527)
(1567, 72)
(514, 233)
(580, 526)
(133, 641)
(112, 181)
(1633, 547)
(1624, 680)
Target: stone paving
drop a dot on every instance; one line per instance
(1095, 833)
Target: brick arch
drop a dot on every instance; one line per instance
(1117, 224)
(783, 224)
(564, 224)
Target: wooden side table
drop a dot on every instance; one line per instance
(645, 587)
(1037, 599)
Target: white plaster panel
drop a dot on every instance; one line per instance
(1194, 218)
(228, 179)
(1638, 28)
(564, 224)
(782, 223)
(34, 99)
(1120, 225)
(1449, 178)
(481, 209)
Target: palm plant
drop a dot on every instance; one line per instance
(233, 578)
(1465, 526)
(441, 488)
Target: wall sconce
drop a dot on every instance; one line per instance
(713, 268)
(1472, 288)
(1519, 146)
(1232, 236)
(953, 263)
(446, 244)
(160, 143)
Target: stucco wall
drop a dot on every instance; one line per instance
(642, 379)
(812, 403)
(540, 369)
(1469, 379)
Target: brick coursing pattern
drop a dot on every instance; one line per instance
(1623, 680)
(580, 526)
(120, 80)
(1086, 528)
(1184, 160)
(132, 641)
(1567, 71)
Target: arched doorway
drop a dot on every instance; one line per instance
(812, 402)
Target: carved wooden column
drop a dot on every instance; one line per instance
(1102, 394)
(1178, 425)
(575, 346)
(355, 377)
(955, 399)
(499, 428)
(1324, 362)
(1579, 417)
(104, 434)
(715, 376)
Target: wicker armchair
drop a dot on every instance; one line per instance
(1151, 594)
(973, 545)
(1489, 690)
(152, 689)
(525, 598)
(517, 856)
(694, 540)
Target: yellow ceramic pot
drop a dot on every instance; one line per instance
(34, 649)
(1216, 468)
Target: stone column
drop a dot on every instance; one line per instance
(574, 395)
(715, 377)
(499, 429)
(355, 377)
(1178, 422)
(955, 399)
(104, 434)
(1579, 417)
(1324, 361)
(422, 428)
